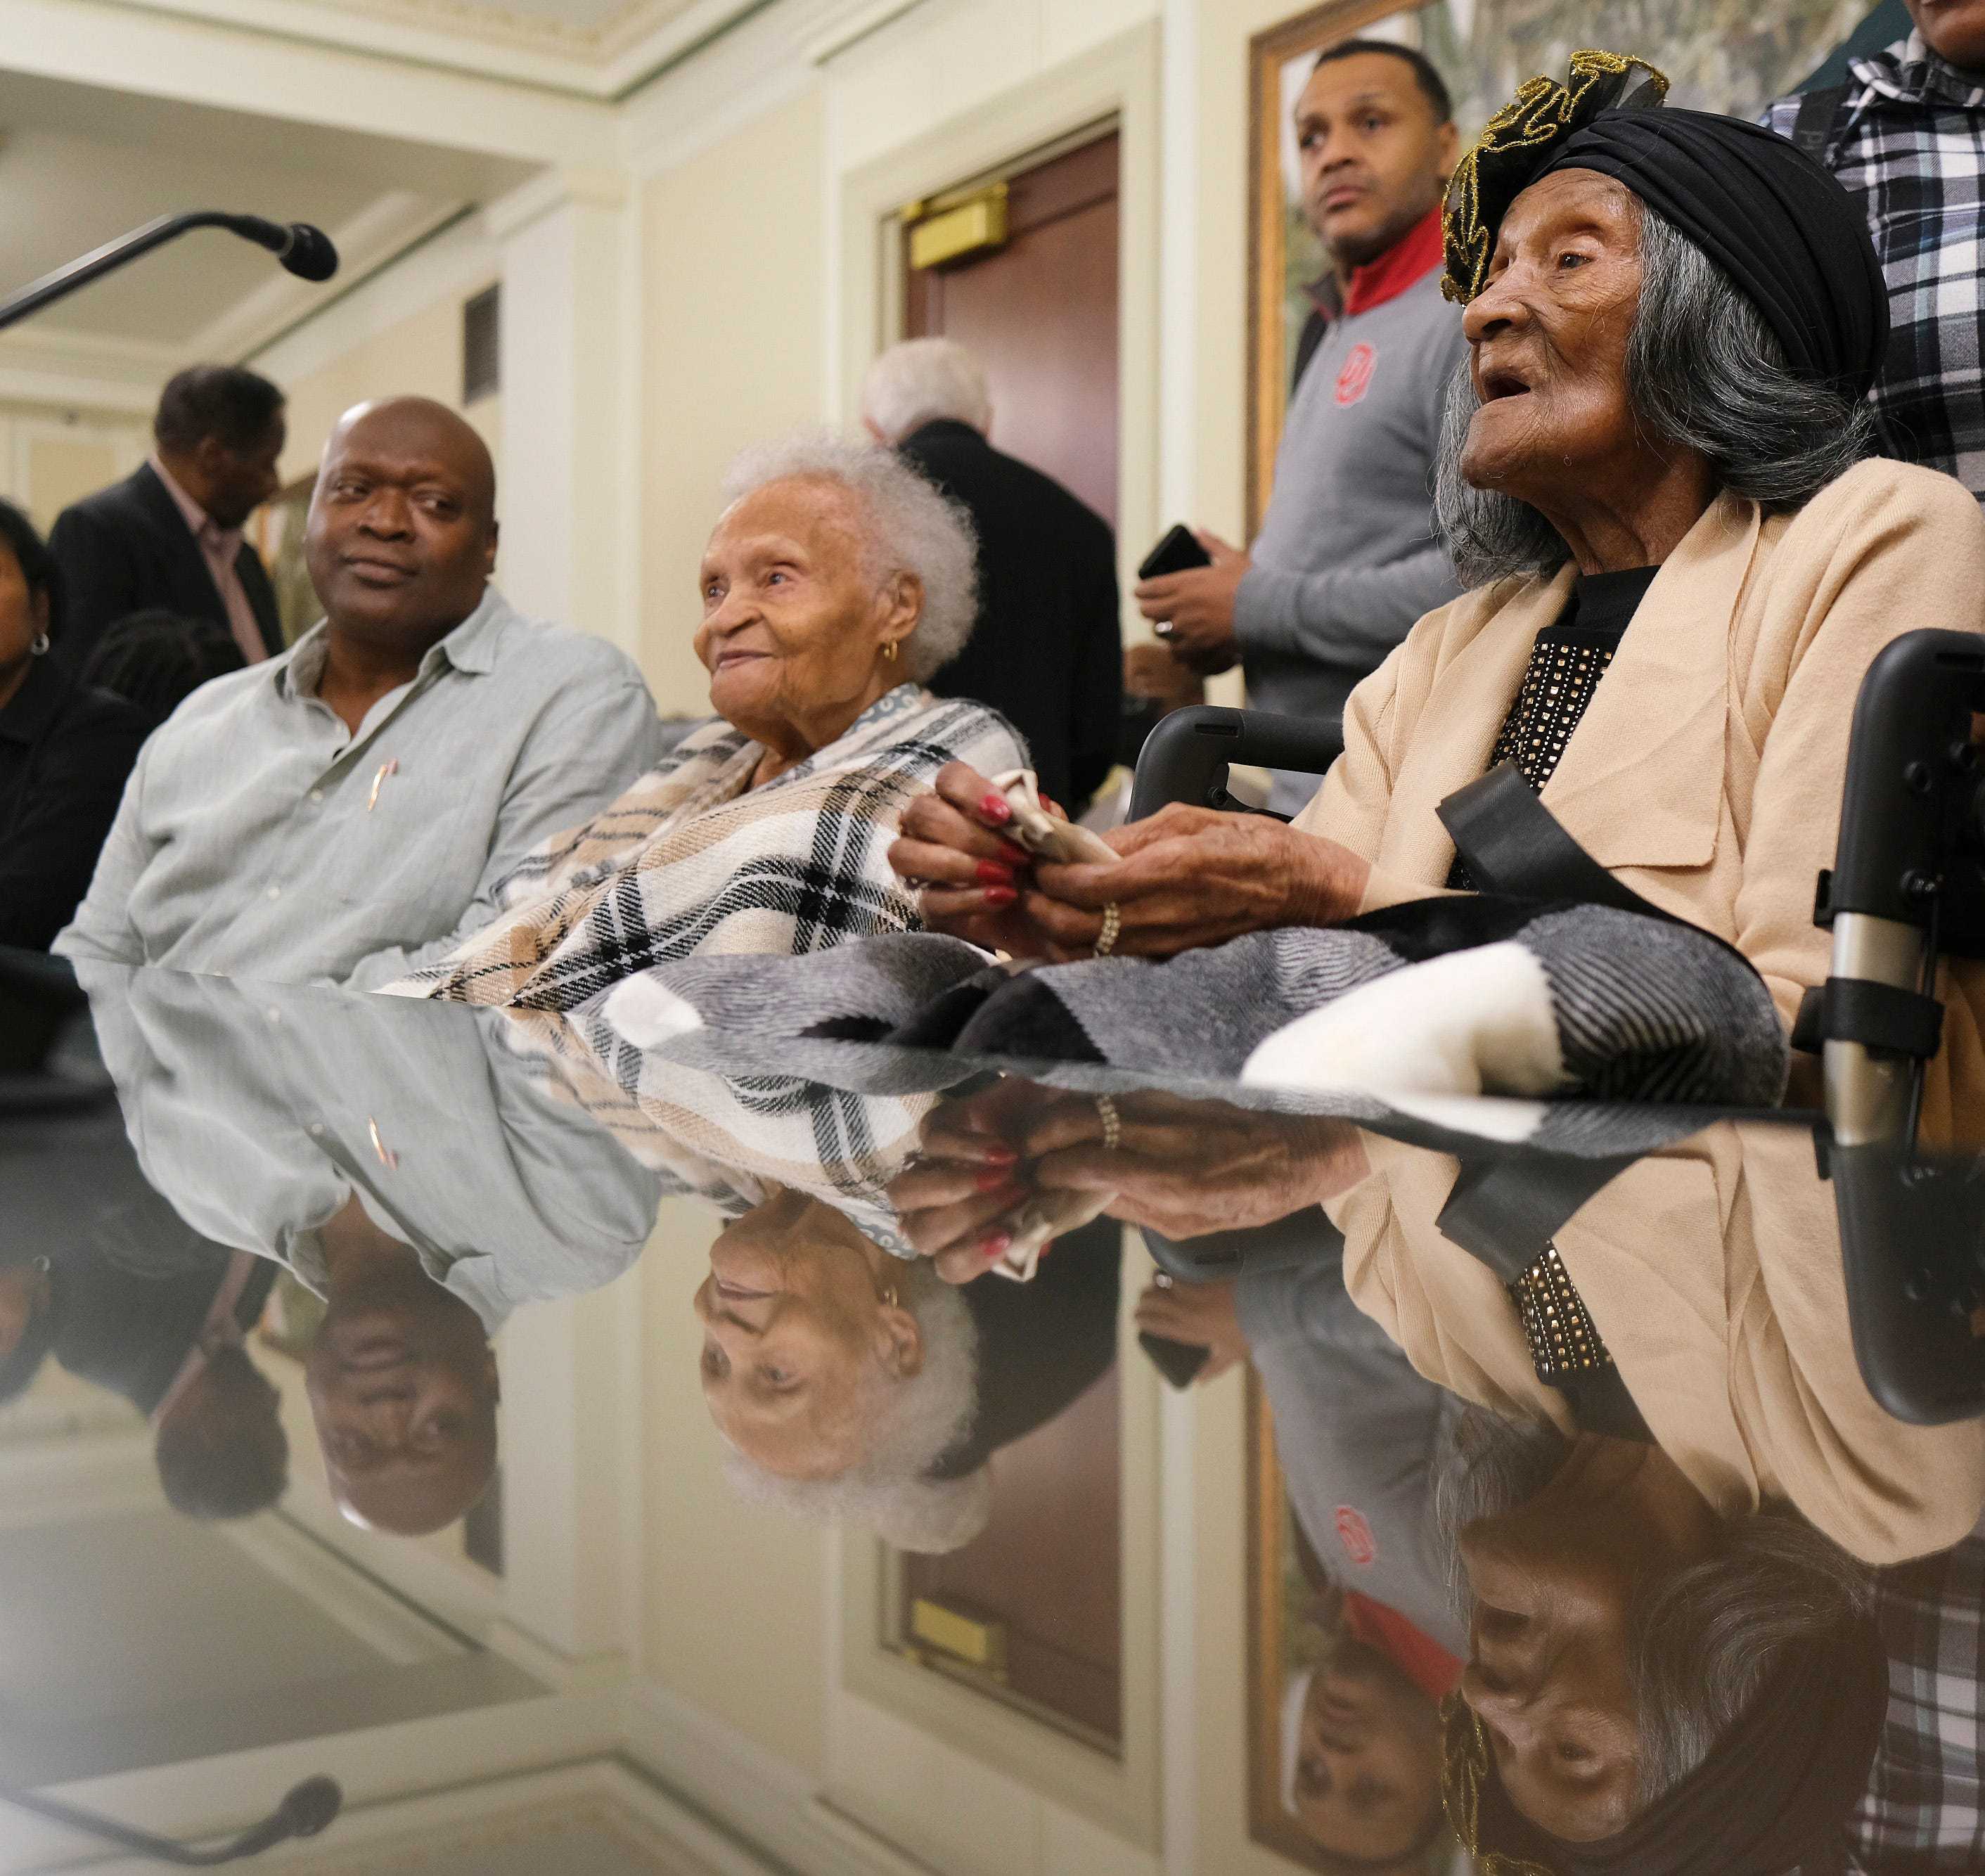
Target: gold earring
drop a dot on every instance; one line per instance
(891, 651)
(889, 1295)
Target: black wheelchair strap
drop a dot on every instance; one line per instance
(1504, 1212)
(1512, 843)
(1877, 1015)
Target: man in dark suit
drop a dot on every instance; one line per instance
(1048, 648)
(169, 535)
(106, 1276)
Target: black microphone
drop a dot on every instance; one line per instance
(305, 1810)
(306, 251)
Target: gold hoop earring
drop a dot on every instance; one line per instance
(889, 1296)
(892, 651)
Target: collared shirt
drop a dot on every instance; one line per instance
(260, 837)
(1924, 1810)
(220, 548)
(1909, 141)
(260, 1110)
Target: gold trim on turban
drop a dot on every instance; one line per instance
(1465, 1746)
(1515, 145)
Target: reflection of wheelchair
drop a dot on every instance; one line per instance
(1907, 886)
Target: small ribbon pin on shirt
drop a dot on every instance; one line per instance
(389, 767)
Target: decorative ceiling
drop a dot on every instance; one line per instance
(592, 29)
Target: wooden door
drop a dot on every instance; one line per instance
(1041, 314)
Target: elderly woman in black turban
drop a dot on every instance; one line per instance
(1682, 568)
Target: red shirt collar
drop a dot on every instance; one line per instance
(1417, 1655)
(1409, 260)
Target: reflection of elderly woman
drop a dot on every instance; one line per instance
(1681, 570)
(841, 1376)
(850, 1380)
(835, 581)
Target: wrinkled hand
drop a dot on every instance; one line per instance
(1200, 1315)
(1190, 877)
(1183, 1167)
(953, 1199)
(971, 877)
(1198, 605)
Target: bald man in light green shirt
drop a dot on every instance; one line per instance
(345, 812)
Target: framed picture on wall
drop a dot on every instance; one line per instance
(279, 539)
(1321, 1724)
(1286, 260)
(1483, 49)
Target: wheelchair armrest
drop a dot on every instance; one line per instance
(1912, 1246)
(1300, 1238)
(1186, 758)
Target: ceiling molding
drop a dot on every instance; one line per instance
(81, 371)
(453, 262)
(557, 189)
(234, 54)
(854, 21)
(372, 239)
(757, 67)
(600, 63)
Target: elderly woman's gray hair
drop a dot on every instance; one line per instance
(1702, 1645)
(891, 1489)
(913, 528)
(1704, 373)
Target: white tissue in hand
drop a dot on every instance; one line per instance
(1047, 834)
(1474, 1022)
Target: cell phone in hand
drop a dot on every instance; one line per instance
(1178, 1361)
(1177, 551)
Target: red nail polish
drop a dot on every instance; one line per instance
(995, 1244)
(993, 1178)
(1000, 897)
(995, 873)
(995, 805)
(998, 1153)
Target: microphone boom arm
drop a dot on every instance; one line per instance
(304, 1812)
(113, 254)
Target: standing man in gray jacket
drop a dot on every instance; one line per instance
(1346, 559)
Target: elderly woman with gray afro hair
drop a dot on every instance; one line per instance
(836, 580)
(1682, 564)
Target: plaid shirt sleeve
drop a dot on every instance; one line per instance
(1923, 1812)
(1908, 142)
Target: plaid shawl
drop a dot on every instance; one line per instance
(729, 1140)
(692, 858)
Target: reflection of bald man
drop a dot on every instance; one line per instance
(408, 1166)
(346, 810)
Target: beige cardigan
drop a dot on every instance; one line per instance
(1713, 1274)
(1708, 770)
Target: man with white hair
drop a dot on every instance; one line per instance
(1047, 653)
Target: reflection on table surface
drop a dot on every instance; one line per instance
(1576, 1489)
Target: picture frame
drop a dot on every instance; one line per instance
(1282, 252)
(1483, 49)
